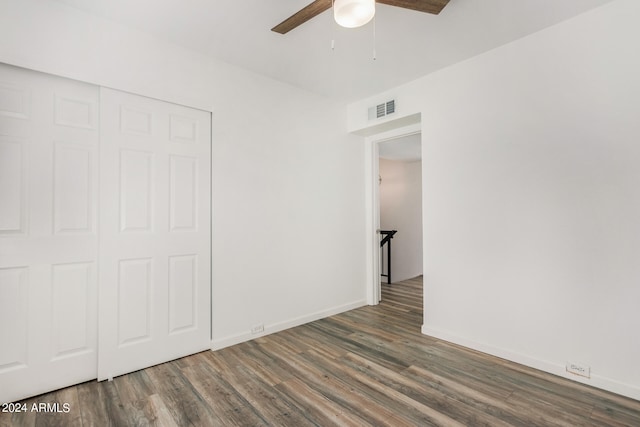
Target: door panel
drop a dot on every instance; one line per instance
(155, 232)
(73, 189)
(12, 185)
(48, 235)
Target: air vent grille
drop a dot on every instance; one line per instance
(382, 110)
(391, 106)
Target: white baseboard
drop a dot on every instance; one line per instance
(554, 368)
(218, 344)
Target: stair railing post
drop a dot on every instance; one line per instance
(389, 262)
(388, 235)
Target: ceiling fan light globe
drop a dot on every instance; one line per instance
(353, 13)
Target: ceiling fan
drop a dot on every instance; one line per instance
(318, 6)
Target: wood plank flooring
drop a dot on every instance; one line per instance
(365, 367)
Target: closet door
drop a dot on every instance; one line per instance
(155, 232)
(48, 232)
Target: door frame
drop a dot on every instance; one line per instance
(372, 204)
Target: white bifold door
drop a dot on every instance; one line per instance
(154, 233)
(104, 208)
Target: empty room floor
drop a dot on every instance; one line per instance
(369, 366)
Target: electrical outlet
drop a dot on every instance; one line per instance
(579, 369)
(257, 329)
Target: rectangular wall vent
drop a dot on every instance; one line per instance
(382, 110)
(391, 106)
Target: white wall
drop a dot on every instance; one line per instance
(530, 197)
(287, 181)
(401, 209)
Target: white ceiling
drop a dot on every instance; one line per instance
(409, 44)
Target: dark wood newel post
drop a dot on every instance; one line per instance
(387, 235)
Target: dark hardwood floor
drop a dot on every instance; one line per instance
(369, 366)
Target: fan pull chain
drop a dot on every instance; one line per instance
(374, 37)
(333, 30)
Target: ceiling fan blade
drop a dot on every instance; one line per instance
(428, 6)
(302, 16)
(318, 6)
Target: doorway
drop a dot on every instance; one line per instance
(400, 207)
(390, 141)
